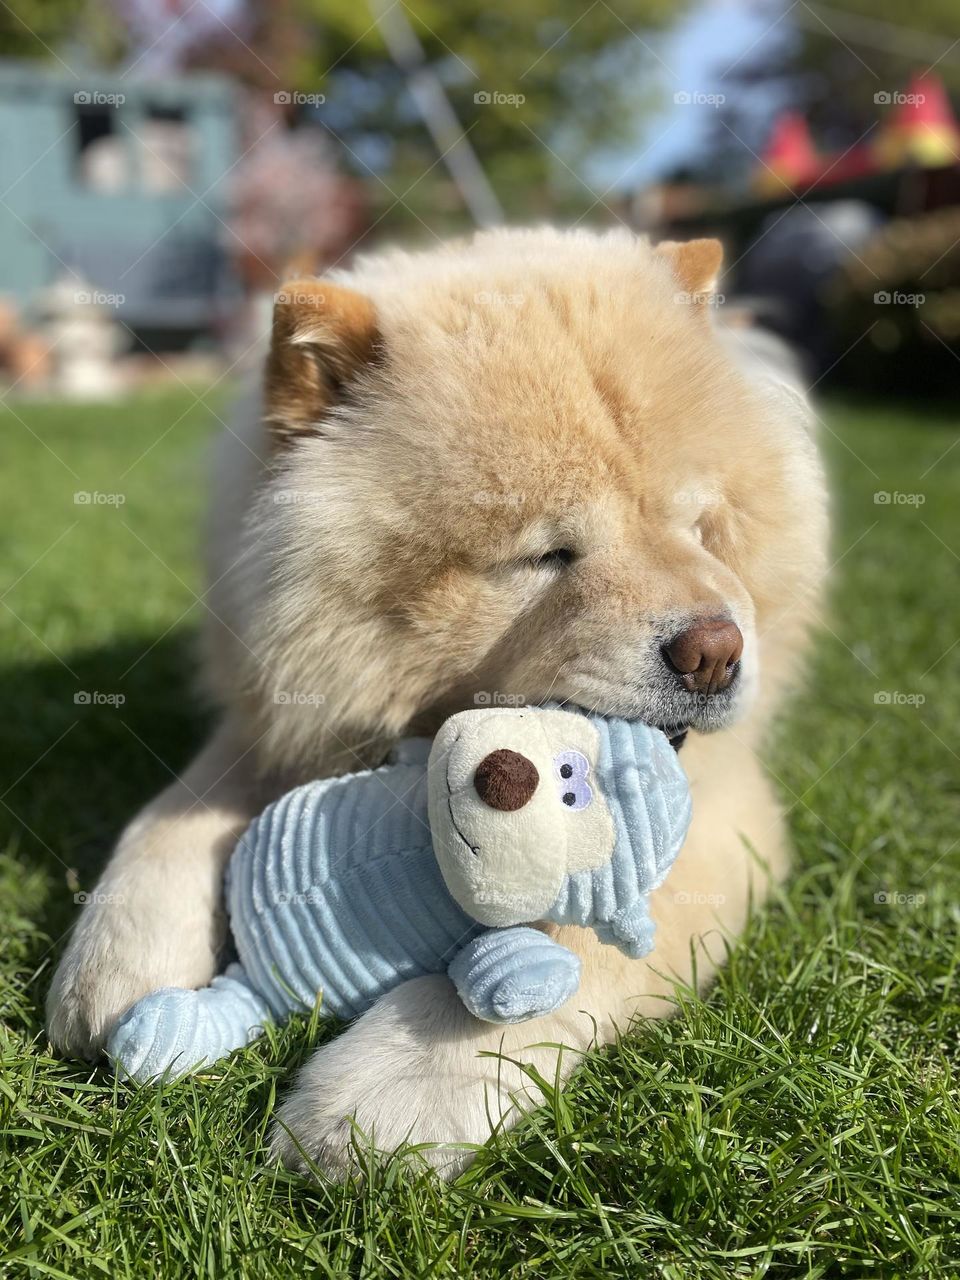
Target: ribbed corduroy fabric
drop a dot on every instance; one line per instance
(334, 893)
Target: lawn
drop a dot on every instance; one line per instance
(800, 1120)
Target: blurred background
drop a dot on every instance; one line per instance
(163, 166)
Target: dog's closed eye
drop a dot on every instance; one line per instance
(559, 558)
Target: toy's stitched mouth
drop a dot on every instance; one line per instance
(474, 848)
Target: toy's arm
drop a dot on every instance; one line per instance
(631, 929)
(173, 1031)
(509, 975)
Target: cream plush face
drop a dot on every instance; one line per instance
(506, 866)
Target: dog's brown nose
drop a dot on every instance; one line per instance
(706, 654)
(505, 780)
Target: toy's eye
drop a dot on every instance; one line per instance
(570, 770)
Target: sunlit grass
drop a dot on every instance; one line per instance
(801, 1120)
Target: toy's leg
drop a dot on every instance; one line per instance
(172, 1031)
(631, 929)
(509, 975)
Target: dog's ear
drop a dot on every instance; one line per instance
(695, 265)
(322, 335)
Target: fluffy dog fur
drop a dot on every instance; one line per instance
(512, 468)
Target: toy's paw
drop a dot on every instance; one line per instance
(510, 975)
(155, 1037)
(172, 1031)
(633, 929)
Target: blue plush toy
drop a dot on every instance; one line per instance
(435, 863)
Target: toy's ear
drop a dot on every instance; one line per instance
(323, 335)
(695, 265)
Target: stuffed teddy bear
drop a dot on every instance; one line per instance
(437, 862)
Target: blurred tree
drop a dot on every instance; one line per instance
(36, 27)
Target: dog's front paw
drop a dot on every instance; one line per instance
(119, 953)
(409, 1072)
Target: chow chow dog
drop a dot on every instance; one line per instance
(529, 466)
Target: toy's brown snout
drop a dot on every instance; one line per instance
(506, 780)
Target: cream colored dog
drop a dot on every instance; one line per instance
(522, 468)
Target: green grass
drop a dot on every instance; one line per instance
(801, 1120)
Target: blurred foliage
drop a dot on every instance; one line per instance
(29, 30)
(84, 30)
(897, 305)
